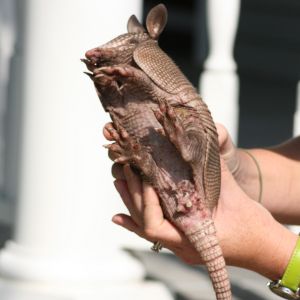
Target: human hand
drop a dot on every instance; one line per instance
(242, 225)
(242, 164)
(248, 235)
(146, 217)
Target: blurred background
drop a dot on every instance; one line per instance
(56, 192)
(266, 51)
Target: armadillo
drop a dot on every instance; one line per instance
(165, 131)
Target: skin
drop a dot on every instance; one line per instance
(250, 234)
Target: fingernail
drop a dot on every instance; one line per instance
(114, 219)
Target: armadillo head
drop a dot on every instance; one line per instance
(120, 50)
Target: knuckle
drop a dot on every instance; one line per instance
(117, 171)
(150, 233)
(112, 154)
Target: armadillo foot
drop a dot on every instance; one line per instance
(106, 86)
(176, 132)
(118, 70)
(167, 118)
(128, 76)
(130, 150)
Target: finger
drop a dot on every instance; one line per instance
(127, 198)
(228, 150)
(117, 171)
(114, 151)
(135, 189)
(110, 132)
(223, 137)
(225, 141)
(152, 212)
(107, 131)
(126, 222)
(180, 246)
(156, 226)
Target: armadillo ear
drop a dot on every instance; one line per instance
(156, 20)
(134, 26)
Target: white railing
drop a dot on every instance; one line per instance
(219, 85)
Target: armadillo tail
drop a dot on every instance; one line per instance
(206, 243)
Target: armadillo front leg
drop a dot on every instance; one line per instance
(130, 79)
(189, 141)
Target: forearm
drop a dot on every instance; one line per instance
(280, 169)
(249, 235)
(274, 247)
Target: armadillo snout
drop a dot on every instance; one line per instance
(93, 55)
(102, 57)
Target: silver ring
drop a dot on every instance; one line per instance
(157, 246)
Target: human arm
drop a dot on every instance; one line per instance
(249, 236)
(280, 169)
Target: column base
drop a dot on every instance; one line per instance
(14, 290)
(27, 275)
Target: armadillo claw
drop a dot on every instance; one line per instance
(89, 74)
(160, 131)
(88, 64)
(169, 121)
(110, 132)
(114, 151)
(158, 115)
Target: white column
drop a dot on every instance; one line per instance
(296, 229)
(297, 112)
(65, 244)
(219, 84)
(7, 43)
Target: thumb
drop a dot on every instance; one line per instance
(228, 150)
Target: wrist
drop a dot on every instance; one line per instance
(288, 285)
(261, 244)
(273, 249)
(249, 235)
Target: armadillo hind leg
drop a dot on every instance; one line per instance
(206, 243)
